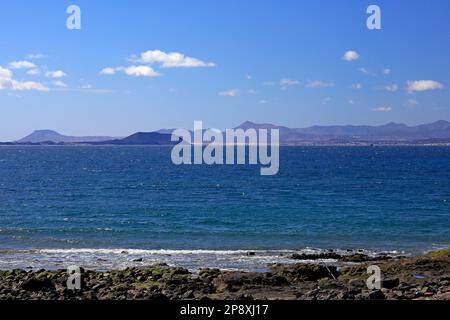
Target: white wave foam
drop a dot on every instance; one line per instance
(161, 251)
(109, 259)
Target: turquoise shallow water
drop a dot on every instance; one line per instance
(86, 198)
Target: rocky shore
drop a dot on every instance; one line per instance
(424, 277)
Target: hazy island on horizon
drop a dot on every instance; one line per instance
(392, 133)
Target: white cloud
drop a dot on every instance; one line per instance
(351, 55)
(55, 74)
(364, 70)
(382, 109)
(60, 84)
(356, 86)
(8, 83)
(29, 85)
(251, 91)
(263, 102)
(289, 82)
(172, 60)
(230, 93)
(34, 72)
(424, 85)
(22, 65)
(268, 83)
(391, 88)
(387, 71)
(318, 84)
(35, 56)
(139, 71)
(109, 71)
(5, 73)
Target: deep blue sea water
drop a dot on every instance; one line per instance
(103, 206)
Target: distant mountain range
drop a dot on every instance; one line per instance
(53, 137)
(41, 136)
(392, 133)
(142, 138)
(439, 130)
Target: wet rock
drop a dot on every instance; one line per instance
(315, 256)
(377, 295)
(36, 285)
(232, 281)
(358, 257)
(244, 297)
(274, 280)
(302, 281)
(306, 272)
(156, 296)
(357, 284)
(187, 295)
(209, 273)
(390, 283)
(99, 286)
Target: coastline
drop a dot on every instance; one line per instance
(422, 277)
(246, 260)
(367, 144)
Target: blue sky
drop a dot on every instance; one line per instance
(264, 61)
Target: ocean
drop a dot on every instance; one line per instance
(108, 207)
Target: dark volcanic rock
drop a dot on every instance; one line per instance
(36, 285)
(326, 255)
(299, 281)
(376, 295)
(391, 283)
(305, 272)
